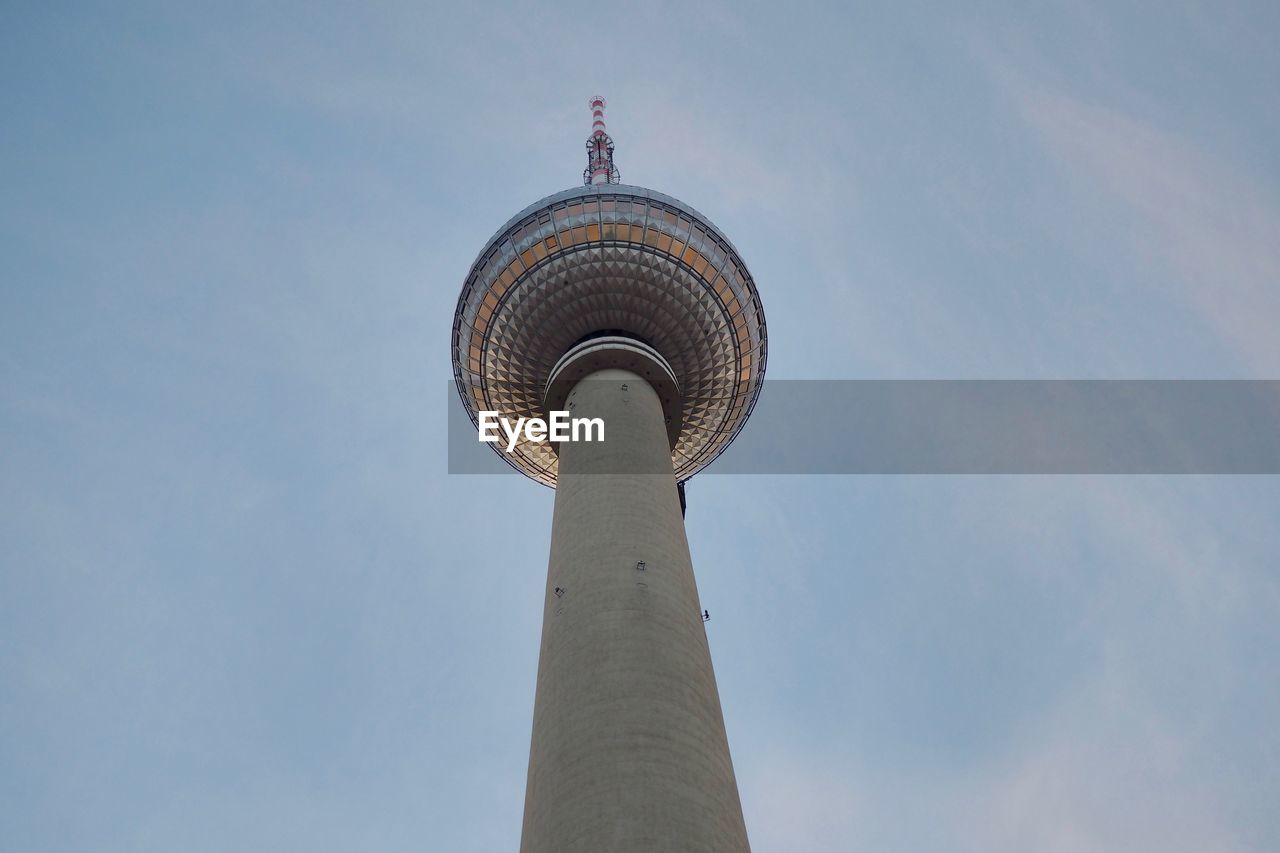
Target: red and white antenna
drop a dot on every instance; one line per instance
(600, 168)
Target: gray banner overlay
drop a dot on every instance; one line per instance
(983, 427)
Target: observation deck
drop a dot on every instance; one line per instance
(611, 259)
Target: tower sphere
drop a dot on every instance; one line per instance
(611, 260)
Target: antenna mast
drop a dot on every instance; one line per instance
(600, 168)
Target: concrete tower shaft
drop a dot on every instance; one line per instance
(629, 751)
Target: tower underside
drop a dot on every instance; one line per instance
(629, 751)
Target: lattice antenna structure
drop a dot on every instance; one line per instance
(600, 168)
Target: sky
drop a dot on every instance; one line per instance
(243, 605)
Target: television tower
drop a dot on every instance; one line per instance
(622, 303)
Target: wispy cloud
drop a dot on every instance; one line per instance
(1210, 224)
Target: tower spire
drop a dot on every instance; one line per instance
(600, 168)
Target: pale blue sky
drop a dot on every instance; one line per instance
(244, 608)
